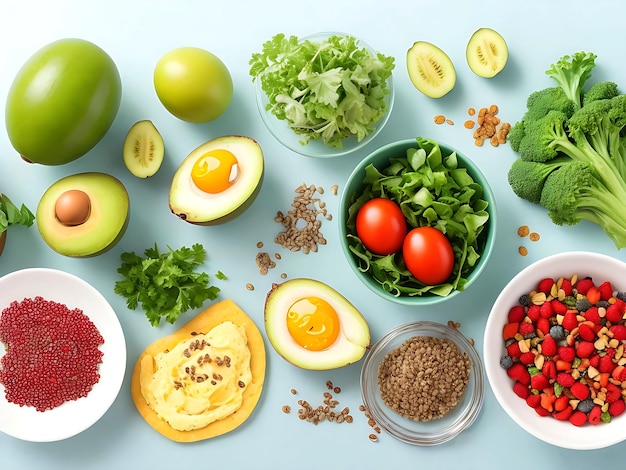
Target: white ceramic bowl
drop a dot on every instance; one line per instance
(436, 431)
(71, 417)
(316, 148)
(559, 433)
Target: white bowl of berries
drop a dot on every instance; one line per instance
(554, 350)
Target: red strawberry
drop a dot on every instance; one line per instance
(594, 360)
(566, 286)
(527, 358)
(567, 353)
(533, 401)
(548, 346)
(613, 393)
(549, 370)
(539, 382)
(595, 415)
(541, 411)
(565, 380)
(545, 311)
(545, 285)
(592, 315)
(606, 290)
(606, 364)
(569, 321)
(586, 333)
(533, 312)
(543, 325)
(521, 390)
(578, 418)
(526, 328)
(619, 332)
(513, 350)
(585, 349)
(565, 414)
(519, 372)
(517, 314)
(617, 408)
(615, 312)
(583, 285)
(580, 390)
(558, 307)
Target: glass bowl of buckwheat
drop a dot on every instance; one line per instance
(423, 383)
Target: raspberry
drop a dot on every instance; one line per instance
(527, 358)
(565, 380)
(617, 408)
(539, 382)
(517, 314)
(583, 285)
(541, 411)
(545, 311)
(549, 370)
(578, 418)
(613, 393)
(606, 365)
(580, 390)
(595, 415)
(533, 401)
(619, 332)
(548, 346)
(558, 307)
(592, 315)
(565, 414)
(521, 391)
(566, 286)
(586, 333)
(545, 285)
(615, 312)
(533, 312)
(543, 325)
(585, 349)
(526, 328)
(569, 321)
(519, 373)
(514, 350)
(606, 290)
(567, 353)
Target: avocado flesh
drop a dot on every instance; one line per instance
(105, 226)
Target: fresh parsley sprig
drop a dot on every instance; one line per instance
(165, 284)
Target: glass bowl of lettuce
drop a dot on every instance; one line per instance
(324, 95)
(436, 186)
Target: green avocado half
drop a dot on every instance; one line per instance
(85, 214)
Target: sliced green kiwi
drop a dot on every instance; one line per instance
(486, 53)
(143, 149)
(430, 69)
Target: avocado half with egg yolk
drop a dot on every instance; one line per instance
(205, 321)
(313, 326)
(217, 181)
(83, 215)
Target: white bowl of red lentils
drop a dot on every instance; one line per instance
(62, 355)
(554, 350)
(423, 383)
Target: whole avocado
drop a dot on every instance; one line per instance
(62, 102)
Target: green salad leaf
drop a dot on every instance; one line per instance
(10, 214)
(326, 90)
(165, 284)
(431, 190)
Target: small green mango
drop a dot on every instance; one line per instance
(62, 102)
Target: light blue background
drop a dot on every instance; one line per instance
(136, 34)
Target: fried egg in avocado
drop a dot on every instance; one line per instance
(217, 181)
(313, 326)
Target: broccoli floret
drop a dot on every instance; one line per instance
(572, 72)
(573, 193)
(600, 91)
(572, 148)
(527, 178)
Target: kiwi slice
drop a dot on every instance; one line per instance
(430, 69)
(143, 149)
(486, 52)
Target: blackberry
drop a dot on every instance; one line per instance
(585, 405)
(621, 296)
(557, 332)
(506, 362)
(583, 304)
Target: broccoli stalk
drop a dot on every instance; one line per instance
(572, 149)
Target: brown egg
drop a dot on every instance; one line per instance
(73, 207)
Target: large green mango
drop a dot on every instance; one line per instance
(62, 102)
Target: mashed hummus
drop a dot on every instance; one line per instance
(200, 380)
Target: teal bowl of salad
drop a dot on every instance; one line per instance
(417, 221)
(324, 95)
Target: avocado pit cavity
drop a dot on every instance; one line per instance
(73, 207)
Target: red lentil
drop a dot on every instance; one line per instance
(52, 353)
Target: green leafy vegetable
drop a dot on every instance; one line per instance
(326, 90)
(165, 284)
(432, 190)
(572, 149)
(10, 214)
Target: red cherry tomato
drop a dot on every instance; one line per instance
(428, 255)
(381, 226)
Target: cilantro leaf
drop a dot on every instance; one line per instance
(328, 90)
(165, 285)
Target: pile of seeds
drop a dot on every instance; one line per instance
(424, 378)
(524, 231)
(301, 223)
(490, 127)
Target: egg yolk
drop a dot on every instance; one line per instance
(313, 323)
(215, 171)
